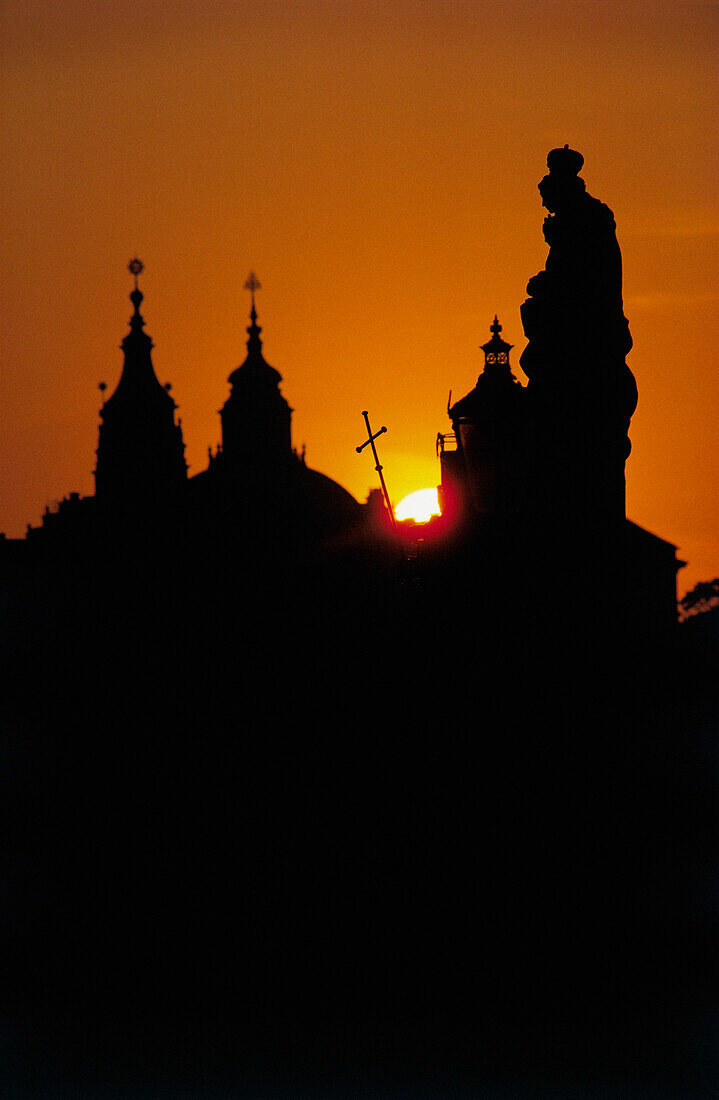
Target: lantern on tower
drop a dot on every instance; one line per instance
(496, 351)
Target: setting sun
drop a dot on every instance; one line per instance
(419, 506)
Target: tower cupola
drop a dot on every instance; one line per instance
(496, 351)
(489, 427)
(256, 418)
(140, 453)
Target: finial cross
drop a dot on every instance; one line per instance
(369, 442)
(253, 284)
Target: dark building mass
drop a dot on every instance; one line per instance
(309, 802)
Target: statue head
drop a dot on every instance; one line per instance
(562, 185)
(558, 194)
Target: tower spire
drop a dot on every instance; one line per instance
(137, 323)
(140, 454)
(255, 417)
(254, 343)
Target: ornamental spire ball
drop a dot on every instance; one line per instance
(135, 267)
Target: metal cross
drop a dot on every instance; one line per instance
(253, 284)
(378, 465)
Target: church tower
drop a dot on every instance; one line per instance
(488, 425)
(140, 455)
(256, 419)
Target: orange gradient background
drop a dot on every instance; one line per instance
(376, 163)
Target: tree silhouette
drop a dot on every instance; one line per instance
(700, 599)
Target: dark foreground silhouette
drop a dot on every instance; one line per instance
(364, 855)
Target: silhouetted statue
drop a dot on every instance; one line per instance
(582, 392)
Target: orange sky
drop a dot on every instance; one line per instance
(376, 162)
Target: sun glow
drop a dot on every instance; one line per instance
(420, 506)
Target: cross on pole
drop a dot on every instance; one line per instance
(253, 284)
(369, 442)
